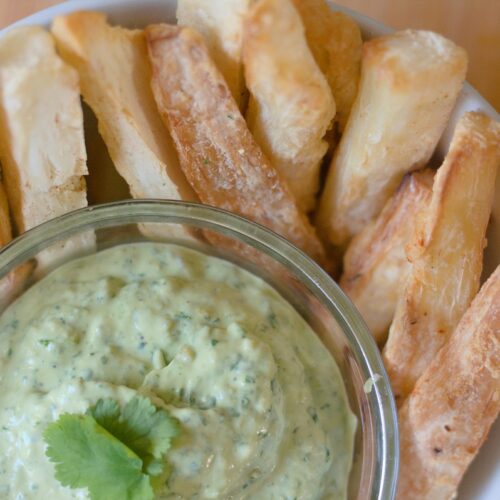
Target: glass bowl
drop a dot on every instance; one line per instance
(307, 287)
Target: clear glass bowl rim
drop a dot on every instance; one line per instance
(363, 347)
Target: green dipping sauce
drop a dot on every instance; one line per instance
(261, 403)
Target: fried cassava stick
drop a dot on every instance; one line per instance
(446, 418)
(446, 254)
(375, 264)
(409, 83)
(217, 153)
(41, 133)
(291, 105)
(42, 144)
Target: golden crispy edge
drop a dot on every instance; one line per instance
(445, 420)
(375, 264)
(335, 41)
(446, 252)
(291, 104)
(217, 153)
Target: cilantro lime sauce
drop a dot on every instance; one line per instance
(261, 403)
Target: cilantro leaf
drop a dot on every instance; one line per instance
(105, 412)
(145, 429)
(88, 456)
(116, 454)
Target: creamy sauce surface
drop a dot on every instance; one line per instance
(261, 403)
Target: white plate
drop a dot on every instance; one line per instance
(482, 481)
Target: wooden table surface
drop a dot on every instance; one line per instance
(475, 25)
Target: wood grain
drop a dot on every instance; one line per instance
(473, 25)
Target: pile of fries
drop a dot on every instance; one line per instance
(277, 110)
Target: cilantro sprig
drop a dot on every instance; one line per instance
(115, 453)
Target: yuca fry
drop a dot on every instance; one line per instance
(375, 264)
(446, 418)
(446, 253)
(291, 105)
(41, 132)
(335, 41)
(115, 78)
(216, 150)
(220, 22)
(409, 83)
